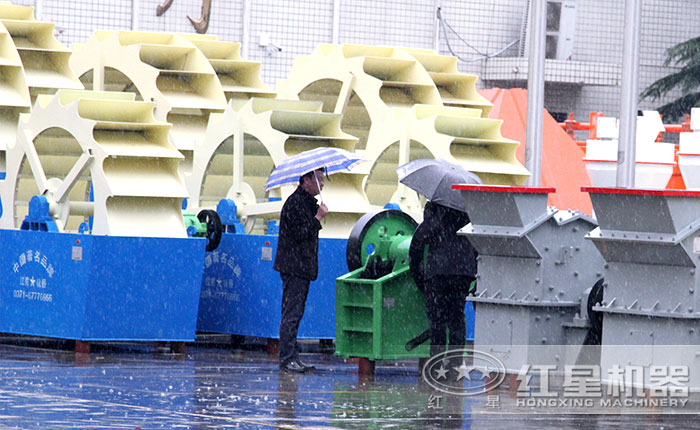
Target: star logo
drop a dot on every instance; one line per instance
(441, 372)
(465, 372)
(484, 372)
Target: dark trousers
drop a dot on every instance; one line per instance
(294, 294)
(445, 298)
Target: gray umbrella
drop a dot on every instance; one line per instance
(433, 178)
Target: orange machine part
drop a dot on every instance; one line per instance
(562, 160)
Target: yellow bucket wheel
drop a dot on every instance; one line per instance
(32, 62)
(77, 140)
(167, 69)
(405, 104)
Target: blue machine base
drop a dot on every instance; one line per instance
(242, 294)
(99, 288)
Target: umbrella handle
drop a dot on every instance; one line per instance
(319, 187)
(319, 192)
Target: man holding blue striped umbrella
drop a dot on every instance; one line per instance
(297, 261)
(297, 246)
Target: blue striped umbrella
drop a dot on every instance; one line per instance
(333, 160)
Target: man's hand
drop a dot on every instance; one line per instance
(322, 211)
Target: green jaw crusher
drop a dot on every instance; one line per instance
(380, 311)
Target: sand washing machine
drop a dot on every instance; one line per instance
(92, 183)
(91, 221)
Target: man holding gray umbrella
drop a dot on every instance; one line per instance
(450, 266)
(449, 271)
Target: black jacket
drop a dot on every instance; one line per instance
(448, 252)
(297, 247)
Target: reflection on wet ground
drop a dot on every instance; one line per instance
(214, 388)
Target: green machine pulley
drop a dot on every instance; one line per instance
(383, 242)
(379, 242)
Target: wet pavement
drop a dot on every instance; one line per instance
(130, 386)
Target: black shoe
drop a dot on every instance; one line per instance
(304, 365)
(293, 366)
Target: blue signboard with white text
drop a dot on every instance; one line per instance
(242, 294)
(87, 287)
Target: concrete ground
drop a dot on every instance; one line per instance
(133, 386)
